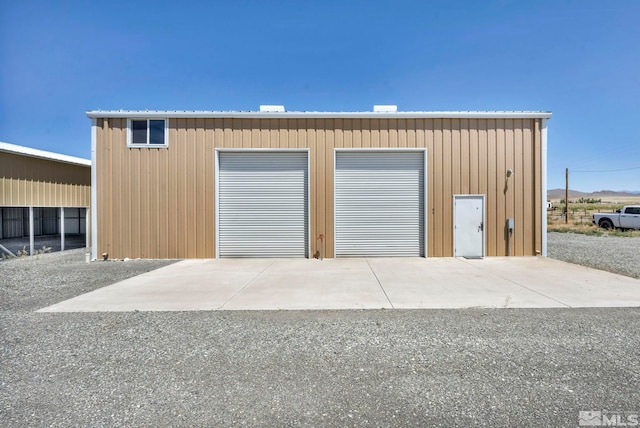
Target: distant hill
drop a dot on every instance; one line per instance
(614, 193)
(559, 194)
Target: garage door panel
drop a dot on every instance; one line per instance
(379, 203)
(263, 204)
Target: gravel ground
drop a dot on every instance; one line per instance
(611, 253)
(299, 368)
(31, 283)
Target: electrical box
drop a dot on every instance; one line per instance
(510, 225)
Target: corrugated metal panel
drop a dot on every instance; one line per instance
(12, 222)
(14, 192)
(37, 221)
(25, 221)
(74, 221)
(50, 221)
(263, 204)
(174, 217)
(379, 203)
(29, 181)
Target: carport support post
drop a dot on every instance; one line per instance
(61, 228)
(31, 240)
(87, 222)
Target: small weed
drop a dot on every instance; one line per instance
(43, 250)
(506, 301)
(25, 253)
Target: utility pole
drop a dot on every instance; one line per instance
(566, 197)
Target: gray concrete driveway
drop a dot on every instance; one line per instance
(371, 283)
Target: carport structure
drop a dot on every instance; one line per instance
(43, 193)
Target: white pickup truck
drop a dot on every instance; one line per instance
(625, 218)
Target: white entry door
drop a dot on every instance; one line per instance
(468, 225)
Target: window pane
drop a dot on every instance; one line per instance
(156, 132)
(139, 132)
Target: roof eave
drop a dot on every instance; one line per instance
(41, 154)
(149, 114)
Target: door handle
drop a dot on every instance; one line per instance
(481, 227)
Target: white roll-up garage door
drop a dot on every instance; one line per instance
(263, 208)
(379, 203)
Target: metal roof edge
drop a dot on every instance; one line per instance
(35, 153)
(197, 114)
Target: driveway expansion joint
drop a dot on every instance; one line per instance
(380, 284)
(518, 284)
(247, 284)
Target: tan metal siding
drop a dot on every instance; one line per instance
(446, 209)
(508, 185)
(160, 202)
(435, 187)
(29, 181)
(519, 178)
(501, 203)
(473, 156)
(465, 160)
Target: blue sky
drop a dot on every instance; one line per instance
(579, 59)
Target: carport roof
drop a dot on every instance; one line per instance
(35, 153)
(94, 114)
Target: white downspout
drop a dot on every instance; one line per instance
(94, 191)
(544, 187)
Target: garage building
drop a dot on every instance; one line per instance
(277, 183)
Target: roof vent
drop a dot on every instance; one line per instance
(271, 109)
(385, 109)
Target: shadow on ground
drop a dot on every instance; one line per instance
(52, 242)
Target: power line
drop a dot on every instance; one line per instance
(610, 170)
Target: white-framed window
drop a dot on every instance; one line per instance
(147, 133)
